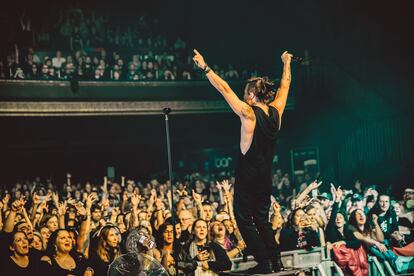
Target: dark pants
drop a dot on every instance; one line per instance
(251, 209)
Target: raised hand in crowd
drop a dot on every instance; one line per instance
(16, 207)
(197, 197)
(225, 185)
(198, 200)
(5, 202)
(169, 200)
(62, 207)
(114, 214)
(183, 192)
(36, 199)
(80, 209)
(90, 199)
(314, 185)
(301, 199)
(135, 199)
(55, 198)
(104, 187)
(43, 207)
(276, 207)
(105, 204)
(125, 196)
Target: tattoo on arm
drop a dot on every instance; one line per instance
(247, 112)
(286, 77)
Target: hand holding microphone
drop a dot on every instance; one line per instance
(288, 57)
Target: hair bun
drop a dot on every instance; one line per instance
(262, 87)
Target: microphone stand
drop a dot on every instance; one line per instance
(166, 112)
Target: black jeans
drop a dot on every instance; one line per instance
(251, 209)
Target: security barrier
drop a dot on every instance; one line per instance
(317, 260)
(382, 268)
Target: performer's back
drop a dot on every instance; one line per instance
(254, 169)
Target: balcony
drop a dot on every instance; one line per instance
(89, 98)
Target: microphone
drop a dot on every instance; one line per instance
(166, 110)
(297, 59)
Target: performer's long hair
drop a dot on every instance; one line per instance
(261, 87)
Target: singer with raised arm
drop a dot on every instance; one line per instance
(261, 116)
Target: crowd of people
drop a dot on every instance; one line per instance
(99, 65)
(88, 46)
(80, 229)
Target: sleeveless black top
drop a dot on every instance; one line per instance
(254, 169)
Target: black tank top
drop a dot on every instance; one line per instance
(254, 169)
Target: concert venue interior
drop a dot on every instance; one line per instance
(85, 139)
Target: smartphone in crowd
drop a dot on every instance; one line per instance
(144, 240)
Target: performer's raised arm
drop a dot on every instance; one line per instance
(222, 86)
(282, 94)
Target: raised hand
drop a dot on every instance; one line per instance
(49, 196)
(182, 193)
(339, 193)
(43, 207)
(6, 199)
(199, 60)
(36, 199)
(197, 197)
(55, 198)
(153, 194)
(80, 209)
(276, 207)
(17, 205)
(168, 195)
(333, 191)
(104, 187)
(84, 196)
(105, 203)
(125, 196)
(135, 199)
(314, 185)
(115, 211)
(286, 57)
(158, 204)
(162, 193)
(62, 208)
(71, 201)
(225, 185)
(90, 200)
